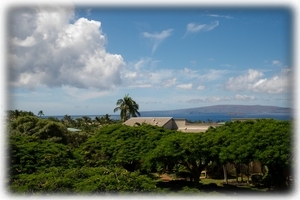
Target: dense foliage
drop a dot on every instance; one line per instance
(266, 141)
(45, 158)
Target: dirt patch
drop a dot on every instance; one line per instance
(165, 177)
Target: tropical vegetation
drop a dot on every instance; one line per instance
(105, 156)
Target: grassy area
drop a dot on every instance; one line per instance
(219, 182)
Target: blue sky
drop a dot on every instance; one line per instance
(81, 60)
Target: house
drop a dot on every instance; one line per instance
(170, 123)
(165, 122)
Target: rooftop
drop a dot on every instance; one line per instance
(158, 121)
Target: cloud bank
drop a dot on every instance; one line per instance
(254, 81)
(49, 47)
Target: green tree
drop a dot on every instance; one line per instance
(86, 120)
(103, 119)
(27, 155)
(185, 149)
(122, 146)
(39, 129)
(14, 114)
(128, 108)
(272, 141)
(84, 180)
(266, 141)
(68, 121)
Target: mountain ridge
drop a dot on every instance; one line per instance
(227, 109)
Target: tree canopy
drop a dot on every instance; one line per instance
(266, 141)
(44, 157)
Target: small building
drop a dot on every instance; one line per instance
(170, 123)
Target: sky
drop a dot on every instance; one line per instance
(79, 60)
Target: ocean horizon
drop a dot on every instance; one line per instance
(193, 117)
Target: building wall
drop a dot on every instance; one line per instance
(169, 124)
(179, 123)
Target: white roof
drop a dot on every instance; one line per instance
(73, 129)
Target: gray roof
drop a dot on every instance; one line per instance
(158, 121)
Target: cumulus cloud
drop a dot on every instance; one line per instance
(157, 38)
(49, 47)
(244, 81)
(254, 81)
(195, 28)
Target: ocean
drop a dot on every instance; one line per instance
(195, 117)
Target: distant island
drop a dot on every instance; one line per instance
(227, 109)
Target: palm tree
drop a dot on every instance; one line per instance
(105, 119)
(67, 120)
(128, 107)
(40, 113)
(86, 120)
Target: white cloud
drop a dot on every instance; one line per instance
(243, 97)
(141, 63)
(47, 49)
(28, 42)
(254, 81)
(185, 86)
(200, 87)
(143, 74)
(212, 75)
(130, 75)
(169, 82)
(277, 84)
(244, 81)
(141, 85)
(157, 37)
(220, 16)
(213, 99)
(195, 28)
(276, 62)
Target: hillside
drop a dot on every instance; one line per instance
(227, 109)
